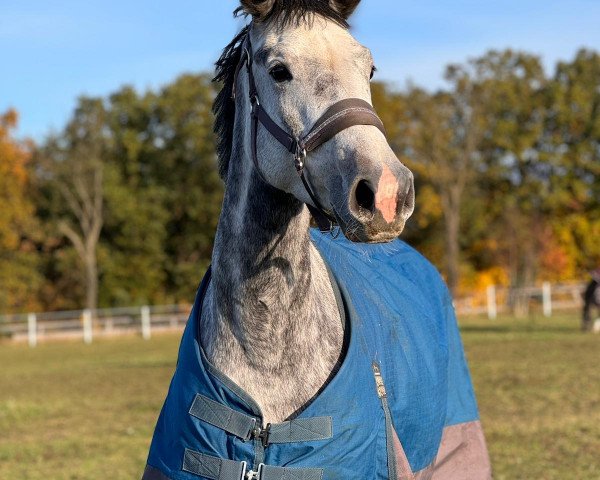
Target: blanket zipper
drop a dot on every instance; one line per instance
(389, 428)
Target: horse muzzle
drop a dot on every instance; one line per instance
(378, 205)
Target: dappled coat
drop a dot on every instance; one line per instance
(400, 407)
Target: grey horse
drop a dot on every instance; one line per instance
(269, 324)
(270, 320)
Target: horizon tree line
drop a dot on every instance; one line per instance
(121, 206)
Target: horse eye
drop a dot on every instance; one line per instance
(280, 74)
(373, 70)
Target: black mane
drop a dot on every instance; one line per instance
(284, 12)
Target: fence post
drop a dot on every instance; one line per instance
(146, 329)
(87, 326)
(547, 299)
(492, 309)
(32, 329)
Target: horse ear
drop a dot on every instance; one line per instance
(344, 7)
(257, 8)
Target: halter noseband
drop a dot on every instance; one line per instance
(339, 116)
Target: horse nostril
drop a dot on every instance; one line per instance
(365, 197)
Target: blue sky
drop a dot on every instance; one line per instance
(52, 51)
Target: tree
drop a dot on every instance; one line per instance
(506, 162)
(514, 179)
(444, 140)
(164, 150)
(572, 153)
(19, 275)
(135, 231)
(181, 158)
(73, 167)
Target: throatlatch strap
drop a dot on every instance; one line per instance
(254, 135)
(216, 468)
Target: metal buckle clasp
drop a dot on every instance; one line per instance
(244, 469)
(299, 157)
(251, 474)
(250, 433)
(262, 434)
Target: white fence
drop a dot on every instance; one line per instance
(521, 302)
(87, 325)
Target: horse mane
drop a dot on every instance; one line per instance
(284, 12)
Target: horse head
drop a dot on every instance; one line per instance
(298, 71)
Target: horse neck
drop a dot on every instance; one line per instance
(269, 284)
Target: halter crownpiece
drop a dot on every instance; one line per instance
(338, 117)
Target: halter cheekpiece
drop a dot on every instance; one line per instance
(339, 116)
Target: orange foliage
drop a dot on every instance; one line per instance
(477, 281)
(556, 263)
(18, 273)
(16, 208)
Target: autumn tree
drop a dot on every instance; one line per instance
(127, 196)
(513, 181)
(164, 153)
(72, 166)
(185, 162)
(446, 131)
(19, 276)
(572, 153)
(134, 233)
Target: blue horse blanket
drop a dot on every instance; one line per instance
(401, 406)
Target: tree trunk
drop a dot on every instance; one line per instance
(451, 207)
(91, 277)
(452, 250)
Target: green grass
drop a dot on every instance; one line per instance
(71, 411)
(538, 386)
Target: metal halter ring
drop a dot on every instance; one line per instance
(299, 157)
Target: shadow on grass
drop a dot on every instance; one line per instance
(527, 328)
(486, 329)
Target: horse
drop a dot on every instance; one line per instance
(293, 364)
(591, 300)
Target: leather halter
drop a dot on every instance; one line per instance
(339, 116)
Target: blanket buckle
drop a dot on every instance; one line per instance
(262, 434)
(251, 474)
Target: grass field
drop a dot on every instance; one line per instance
(70, 411)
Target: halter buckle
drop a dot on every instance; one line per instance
(299, 157)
